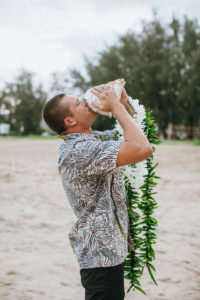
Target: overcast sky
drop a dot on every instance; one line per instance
(52, 35)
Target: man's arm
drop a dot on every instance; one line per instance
(135, 147)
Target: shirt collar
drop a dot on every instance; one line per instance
(76, 135)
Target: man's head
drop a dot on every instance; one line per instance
(65, 113)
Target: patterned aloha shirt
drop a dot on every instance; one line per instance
(94, 188)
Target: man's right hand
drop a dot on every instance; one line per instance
(108, 97)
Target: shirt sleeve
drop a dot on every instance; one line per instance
(95, 157)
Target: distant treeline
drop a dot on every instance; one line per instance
(161, 67)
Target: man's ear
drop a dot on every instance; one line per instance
(69, 122)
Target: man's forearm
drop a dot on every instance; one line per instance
(132, 132)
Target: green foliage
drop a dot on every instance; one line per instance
(142, 226)
(25, 102)
(197, 143)
(190, 80)
(103, 123)
(161, 67)
(28, 137)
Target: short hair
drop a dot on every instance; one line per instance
(54, 114)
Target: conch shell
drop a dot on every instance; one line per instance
(117, 84)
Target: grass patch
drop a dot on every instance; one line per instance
(53, 137)
(29, 137)
(197, 143)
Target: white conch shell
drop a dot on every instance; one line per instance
(117, 84)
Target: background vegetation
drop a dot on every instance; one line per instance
(161, 67)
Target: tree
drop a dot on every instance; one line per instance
(160, 66)
(190, 81)
(25, 102)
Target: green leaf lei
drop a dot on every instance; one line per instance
(143, 224)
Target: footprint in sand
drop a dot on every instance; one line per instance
(194, 271)
(63, 283)
(36, 292)
(161, 251)
(195, 245)
(12, 272)
(167, 279)
(8, 283)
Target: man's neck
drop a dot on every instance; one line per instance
(88, 131)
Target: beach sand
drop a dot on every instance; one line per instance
(37, 261)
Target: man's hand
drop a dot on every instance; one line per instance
(124, 97)
(108, 97)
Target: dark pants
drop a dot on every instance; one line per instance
(106, 283)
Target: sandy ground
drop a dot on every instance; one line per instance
(37, 261)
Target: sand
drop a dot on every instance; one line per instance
(37, 261)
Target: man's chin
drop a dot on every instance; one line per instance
(94, 116)
(93, 112)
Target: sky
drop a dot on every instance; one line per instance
(45, 36)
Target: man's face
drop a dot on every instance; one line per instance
(82, 114)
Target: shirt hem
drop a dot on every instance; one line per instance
(100, 266)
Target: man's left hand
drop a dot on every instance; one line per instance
(124, 97)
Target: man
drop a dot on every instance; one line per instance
(89, 164)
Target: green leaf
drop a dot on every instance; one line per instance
(154, 220)
(154, 166)
(151, 274)
(129, 289)
(137, 282)
(140, 289)
(152, 267)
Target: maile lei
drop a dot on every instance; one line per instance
(139, 183)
